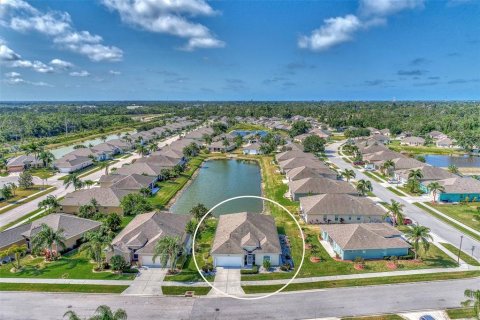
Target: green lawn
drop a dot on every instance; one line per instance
(42, 173)
(180, 291)
(379, 317)
(203, 243)
(72, 265)
(398, 193)
(43, 287)
(373, 176)
(409, 193)
(463, 213)
(461, 313)
(168, 189)
(464, 256)
(20, 195)
(395, 146)
(447, 221)
(248, 126)
(362, 282)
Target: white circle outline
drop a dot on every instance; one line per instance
(247, 298)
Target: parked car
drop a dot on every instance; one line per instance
(393, 181)
(407, 221)
(427, 317)
(358, 163)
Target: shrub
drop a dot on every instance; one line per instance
(266, 264)
(208, 267)
(286, 267)
(254, 270)
(118, 263)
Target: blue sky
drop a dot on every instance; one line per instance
(239, 50)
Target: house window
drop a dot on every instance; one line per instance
(135, 257)
(336, 218)
(266, 258)
(358, 218)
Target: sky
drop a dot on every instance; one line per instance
(239, 50)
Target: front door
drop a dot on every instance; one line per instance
(250, 259)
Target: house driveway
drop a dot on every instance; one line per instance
(227, 280)
(147, 283)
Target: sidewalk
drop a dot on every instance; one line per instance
(68, 281)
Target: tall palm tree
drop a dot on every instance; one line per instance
(47, 158)
(145, 192)
(103, 312)
(152, 147)
(167, 249)
(473, 301)
(88, 183)
(419, 235)
(47, 238)
(50, 203)
(142, 150)
(95, 242)
(453, 169)
(348, 174)
(33, 148)
(73, 179)
(12, 187)
(434, 188)
(416, 174)
(388, 165)
(364, 186)
(395, 209)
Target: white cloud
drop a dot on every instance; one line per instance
(61, 64)
(114, 72)
(83, 73)
(163, 16)
(21, 16)
(7, 54)
(337, 30)
(12, 74)
(36, 65)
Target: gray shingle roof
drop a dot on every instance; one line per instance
(106, 197)
(321, 185)
(308, 172)
(461, 185)
(340, 204)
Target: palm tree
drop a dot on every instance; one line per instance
(47, 238)
(419, 235)
(167, 249)
(453, 169)
(152, 147)
(50, 203)
(348, 174)
(207, 138)
(142, 150)
(103, 312)
(415, 174)
(17, 252)
(13, 187)
(145, 192)
(73, 179)
(395, 208)
(387, 165)
(473, 300)
(435, 187)
(364, 186)
(32, 148)
(89, 183)
(191, 226)
(95, 242)
(47, 158)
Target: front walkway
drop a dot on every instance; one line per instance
(227, 280)
(147, 283)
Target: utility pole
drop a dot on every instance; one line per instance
(460, 249)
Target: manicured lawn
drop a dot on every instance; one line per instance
(395, 146)
(346, 160)
(373, 176)
(447, 221)
(42, 287)
(20, 195)
(463, 213)
(464, 256)
(42, 173)
(168, 189)
(274, 189)
(180, 291)
(398, 193)
(380, 317)
(408, 192)
(70, 266)
(363, 282)
(461, 313)
(203, 243)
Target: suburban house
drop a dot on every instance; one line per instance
(73, 230)
(20, 163)
(340, 208)
(459, 189)
(380, 138)
(311, 186)
(144, 168)
(287, 155)
(437, 135)
(136, 242)
(253, 149)
(308, 172)
(429, 174)
(321, 133)
(70, 163)
(108, 200)
(377, 158)
(218, 146)
(160, 160)
(413, 141)
(300, 162)
(246, 239)
(445, 143)
(369, 147)
(385, 132)
(121, 144)
(365, 240)
(133, 183)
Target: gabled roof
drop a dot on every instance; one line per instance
(321, 185)
(283, 156)
(133, 182)
(461, 185)
(106, 197)
(160, 160)
(343, 204)
(308, 172)
(23, 160)
(383, 156)
(300, 162)
(140, 168)
(239, 230)
(365, 236)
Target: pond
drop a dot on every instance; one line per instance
(218, 180)
(243, 133)
(444, 161)
(61, 151)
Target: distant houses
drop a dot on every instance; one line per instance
(23, 162)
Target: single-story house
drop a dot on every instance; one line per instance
(73, 230)
(160, 160)
(368, 147)
(459, 188)
(133, 183)
(445, 143)
(437, 135)
(253, 149)
(108, 200)
(413, 141)
(70, 163)
(380, 138)
(429, 174)
(375, 160)
(300, 162)
(218, 146)
(311, 186)
(340, 208)
(308, 172)
(20, 163)
(297, 153)
(136, 242)
(365, 240)
(246, 239)
(145, 168)
(385, 132)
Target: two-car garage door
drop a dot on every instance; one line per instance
(229, 261)
(147, 261)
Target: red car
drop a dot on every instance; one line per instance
(407, 221)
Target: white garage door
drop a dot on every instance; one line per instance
(232, 261)
(148, 261)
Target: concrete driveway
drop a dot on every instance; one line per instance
(147, 283)
(227, 280)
